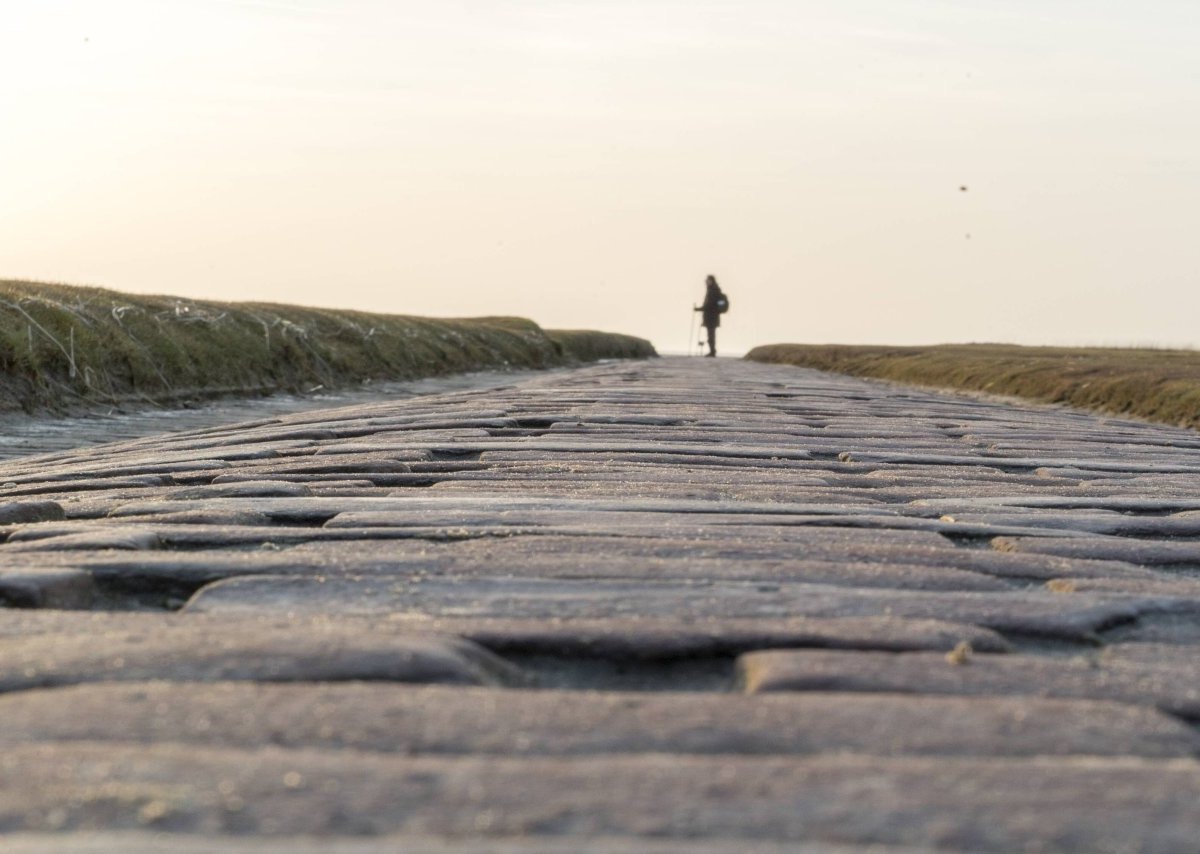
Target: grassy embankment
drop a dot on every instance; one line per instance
(1156, 385)
(63, 346)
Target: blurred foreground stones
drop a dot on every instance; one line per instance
(680, 605)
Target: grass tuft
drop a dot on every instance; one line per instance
(62, 345)
(1156, 385)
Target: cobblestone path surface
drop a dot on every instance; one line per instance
(677, 605)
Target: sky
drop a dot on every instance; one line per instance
(858, 171)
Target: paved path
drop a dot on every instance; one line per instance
(679, 605)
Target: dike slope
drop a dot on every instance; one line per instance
(1156, 385)
(64, 346)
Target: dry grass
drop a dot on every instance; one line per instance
(62, 345)
(583, 345)
(1157, 385)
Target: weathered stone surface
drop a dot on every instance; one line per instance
(160, 843)
(46, 587)
(87, 540)
(313, 480)
(1136, 503)
(611, 540)
(819, 556)
(115, 469)
(1175, 587)
(1021, 463)
(184, 652)
(132, 487)
(244, 489)
(1109, 522)
(968, 803)
(345, 466)
(504, 514)
(225, 518)
(637, 639)
(413, 720)
(1148, 553)
(1170, 684)
(616, 638)
(1077, 617)
(24, 512)
(827, 556)
(291, 508)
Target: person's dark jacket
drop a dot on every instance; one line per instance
(710, 311)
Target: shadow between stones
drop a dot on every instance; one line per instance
(555, 672)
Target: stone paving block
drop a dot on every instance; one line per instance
(737, 556)
(1109, 523)
(1077, 617)
(514, 556)
(302, 511)
(268, 434)
(547, 446)
(418, 720)
(1171, 684)
(160, 843)
(930, 475)
(1117, 503)
(243, 489)
(1154, 654)
(482, 501)
(917, 494)
(309, 478)
(89, 539)
(395, 448)
(46, 587)
(495, 476)
(24, 512)
(224, 518)
(630, 639)
(1022, 463)
(698, 459)
(589, 520)
(674, 638)
(617, 489)
(192, 568)
(73, 497)
(802, 552)
(85, 535)
(184, 652)
(1186, 587)
(330, 465)
(566, 512)
(1143, 552)
(138, 468)
(974, 804)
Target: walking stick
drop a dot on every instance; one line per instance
(691, 332)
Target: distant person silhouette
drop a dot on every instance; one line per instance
(715, 304)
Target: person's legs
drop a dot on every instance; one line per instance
(712, 340)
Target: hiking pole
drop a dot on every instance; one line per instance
(691, 332)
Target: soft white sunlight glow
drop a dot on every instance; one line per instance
(866, 171)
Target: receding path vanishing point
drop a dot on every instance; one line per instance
(675, 605)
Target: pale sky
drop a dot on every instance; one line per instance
(585, 163)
